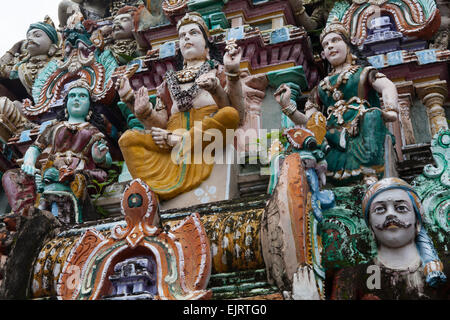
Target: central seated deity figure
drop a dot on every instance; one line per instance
(193, 105)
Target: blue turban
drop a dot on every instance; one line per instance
(47, 28)
(425, 246)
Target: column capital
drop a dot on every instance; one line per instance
(435, 89)
(433, 95)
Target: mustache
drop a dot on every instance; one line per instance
(117, 27)
(392, 220)
(32, 42)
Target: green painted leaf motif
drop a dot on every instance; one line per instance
(440, 147)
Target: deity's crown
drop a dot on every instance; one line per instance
(334, 26)
(193, 17)
(79, 83)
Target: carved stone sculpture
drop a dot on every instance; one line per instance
(76, 151)
(355, 120)
(125, 46)
(160, 264)
(41, 47)
(204, 95)
(314, 21)
(406, 265)
(81, 60)
(90, 9)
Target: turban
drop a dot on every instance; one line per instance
(432, 265)
(47, 28)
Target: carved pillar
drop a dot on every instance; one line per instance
(406, 127)
(433, 95)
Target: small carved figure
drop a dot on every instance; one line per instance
(203, 92)
(127, 44)
(441, 40)
(316, 20)
(90, 10)
(349, 98)
(41, 46)
(76, 152)
(406, 265)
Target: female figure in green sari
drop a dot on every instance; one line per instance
(349, 98)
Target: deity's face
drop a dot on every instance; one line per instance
(38, 42)
(78, 103)
(192, 42)
(123, 27)
(335, 49)
(392, 218)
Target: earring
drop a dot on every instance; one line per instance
(66, 114)
(89, 115)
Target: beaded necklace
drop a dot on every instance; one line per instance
(184, 98)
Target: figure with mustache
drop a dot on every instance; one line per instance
(42, 46)
(349, 97)
(203, 91)
(409, 267)
(126, 42)
(39, 48)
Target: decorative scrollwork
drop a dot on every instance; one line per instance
(440, 147)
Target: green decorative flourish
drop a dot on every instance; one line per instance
(440, 147)
(433, 189)
(339, 10)
(41, 79)
(99, 187)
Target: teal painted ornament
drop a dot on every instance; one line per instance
(135, 200)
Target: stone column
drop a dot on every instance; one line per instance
(433, 95)
(404, 103)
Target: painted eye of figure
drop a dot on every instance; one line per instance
(379, 209)
(402, 208)
(135, 200)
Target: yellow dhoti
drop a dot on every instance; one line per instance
(156, 166)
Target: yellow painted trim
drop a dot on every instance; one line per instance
(422, 80)
(159, 42)
(246, 65)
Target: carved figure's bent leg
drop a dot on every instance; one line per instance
(155, 166)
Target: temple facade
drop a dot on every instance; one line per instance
(112, 203)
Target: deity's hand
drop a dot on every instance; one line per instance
(29, 169)
(142, 106)
(123, 86)
(283, 95)
(99, 151)
(389, 116)
(232, 57)
(304, 285)
(164, 139)
(208, 82)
